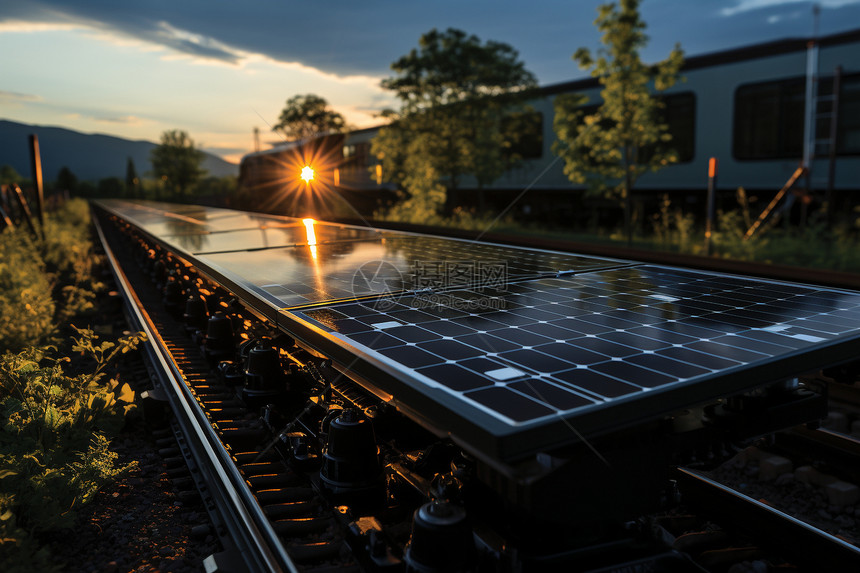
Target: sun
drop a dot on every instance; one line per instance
(307, 173)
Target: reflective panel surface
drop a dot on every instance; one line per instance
(512, 350)
(542, 349)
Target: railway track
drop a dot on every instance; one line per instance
(319, 453)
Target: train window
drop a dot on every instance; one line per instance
(356, 156)
(769, 120)
(523, 134)
(679, 114)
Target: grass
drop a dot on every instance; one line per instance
(816, 245)
(58, 408)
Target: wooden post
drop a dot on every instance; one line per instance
(712, 189)
(36, 170)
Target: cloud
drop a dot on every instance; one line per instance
(225, 150)
(15, 98)
(777, 18)
(342, 38)
(749, 5)
(196, 45)
(125, 120)
(24, 27)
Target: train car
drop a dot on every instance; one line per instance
(329, 176)
(746, 107)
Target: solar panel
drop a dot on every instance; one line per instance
(551, 359)
(197, 230)
(296, 276)
(290, 277)
(165, 219)
(512, 350)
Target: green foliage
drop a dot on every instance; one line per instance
(673, 228)
(70, 261)
(455, 93)
(132, 181)
(54, 451)
(225, 187)
(307, 116)
(176, 161)
(610, 149)
(53, 426)
(26, 306)
(8, 175)
(113, 187)
(816, 245)
(66, 180)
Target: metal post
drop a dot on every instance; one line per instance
(833, 136)
(809, 111)
(712, 186)
(36, 170)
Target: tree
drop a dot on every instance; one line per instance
(625, 137)
(455, 92)
(8, 175)
(306, 116)
(66, 180)
(132, 182)
(176, 161)
(111, 187)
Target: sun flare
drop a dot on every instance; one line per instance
(307, 173)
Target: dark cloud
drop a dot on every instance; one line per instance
(347, 37)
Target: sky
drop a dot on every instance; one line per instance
(217, 68)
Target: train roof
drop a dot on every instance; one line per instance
(723, 57)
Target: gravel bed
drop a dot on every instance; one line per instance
(137, 523)
(804, 501)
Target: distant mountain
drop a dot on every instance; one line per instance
(90, 156)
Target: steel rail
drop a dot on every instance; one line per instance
(256, 540)
(811, 547)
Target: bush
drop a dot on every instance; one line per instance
(54, 427)
(54, 451)
(26, 307)
(70, 261)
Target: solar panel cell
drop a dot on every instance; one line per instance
(547, 393)
(634, 374)
(596, 383)
(510, 404)
(456, 377)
